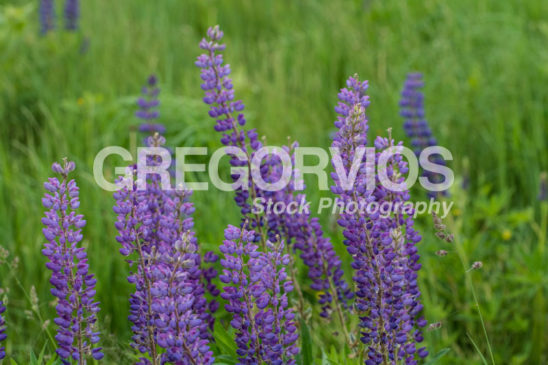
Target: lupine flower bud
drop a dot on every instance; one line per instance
(476, 265)
(441, 230)
(382, 247)
(416, 126)
(434, 326)
(73, 286)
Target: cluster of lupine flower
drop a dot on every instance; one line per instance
(172, 318)
(383, 249)
(385, 263)
(47, 15)
(416, 126)
(168, 308)
(299, 231)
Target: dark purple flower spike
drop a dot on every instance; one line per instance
(256, 288)
(72, 13)
(383, 248)
(73, 285)
(148, 108)
(47, 16)
(168, 309)
(415, 125)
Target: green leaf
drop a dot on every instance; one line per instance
(225, 360)
(225, 343)
(325, 360)
(42, 354)
(477, 349)
(53, 360)
(306, 345)
(33, 359)
(435, 358)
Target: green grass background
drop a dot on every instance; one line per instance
(485, 65)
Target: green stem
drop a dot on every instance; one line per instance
(481, 319)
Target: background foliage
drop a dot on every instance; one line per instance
(486, 70)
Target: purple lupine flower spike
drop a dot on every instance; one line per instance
(168, 308)
(228, 113)
(180, 321)
(180, 260)
(416, 126)
(240, 253)
(73, 285)
(72, 13)
(324, 264)
(148, 112)
(278, 332)
(302, 230)
(2, 330)
(148, 108)
(133, 224)
(47, 16)
(256, 290)
(383, 248)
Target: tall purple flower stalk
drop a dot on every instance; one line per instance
(148, 113)
(72, 13)
(219, 94)
(47, 16)
(148, 107)
(256, 290)
(73, 285)
(178, 291)
(416, 126)
(168, 309)
(383, 248)
(3, 335)
(306, 234)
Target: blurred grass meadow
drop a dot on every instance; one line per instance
(485, 65)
